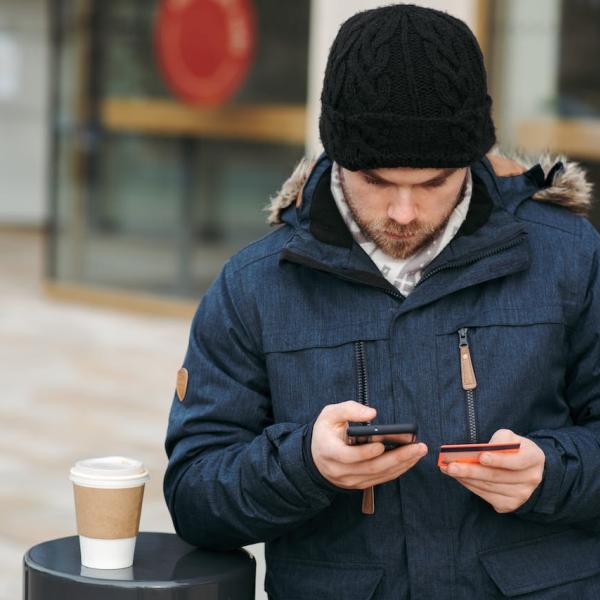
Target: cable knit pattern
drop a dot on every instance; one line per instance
(405, 86)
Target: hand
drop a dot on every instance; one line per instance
(363, 465)
(504, 480)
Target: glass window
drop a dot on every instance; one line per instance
(545, 80)
(150, 194)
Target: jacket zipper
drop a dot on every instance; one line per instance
(368, 502)
(513, 242)
(368, 498)
(467, 372)
(363, 388)
(302, 260)
(469, 382)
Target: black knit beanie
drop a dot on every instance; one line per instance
(405, 86)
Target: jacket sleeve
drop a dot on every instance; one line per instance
(234, 477)
(570, 488)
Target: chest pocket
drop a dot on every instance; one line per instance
(310, 367)
(301, 579)
(502, 368)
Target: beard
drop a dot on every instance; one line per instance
(419, 234)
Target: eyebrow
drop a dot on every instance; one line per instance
(440, 177)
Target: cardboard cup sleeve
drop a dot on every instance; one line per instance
(105, 513)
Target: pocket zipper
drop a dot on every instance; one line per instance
(368, 499)
(469, 381)
(363, 388)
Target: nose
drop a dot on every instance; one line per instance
(401, 209)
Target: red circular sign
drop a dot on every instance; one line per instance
(205, 47)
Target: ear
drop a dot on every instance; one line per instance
(505, 167)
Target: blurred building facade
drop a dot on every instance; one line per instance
(24, 119)
(143, 193)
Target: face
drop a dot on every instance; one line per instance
(402, 209)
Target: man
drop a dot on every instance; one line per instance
(407, 282)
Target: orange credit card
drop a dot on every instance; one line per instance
(469, 453)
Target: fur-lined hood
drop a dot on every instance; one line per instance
(570, 187)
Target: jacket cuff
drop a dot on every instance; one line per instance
(323, 483)
(545, 497)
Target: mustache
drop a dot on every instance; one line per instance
(393, 227)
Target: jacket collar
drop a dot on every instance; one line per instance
(491, 241)
(565, 183)
(326, 223)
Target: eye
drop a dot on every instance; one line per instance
(435, 183)
(372, 181)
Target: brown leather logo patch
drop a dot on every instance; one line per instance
(182, 381)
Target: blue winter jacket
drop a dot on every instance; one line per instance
(302, 318)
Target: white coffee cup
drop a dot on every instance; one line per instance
(108, 504)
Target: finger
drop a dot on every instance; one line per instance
(350, 410)
(385, 476)
(504, 436)
(351, 454)
(479, 472)
(521, 459)
(491, 497)
(501, 489)
(500, 503)
(517, 461)
(392, 460)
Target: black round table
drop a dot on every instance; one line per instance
(164, 568)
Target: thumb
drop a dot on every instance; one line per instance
(504, 436)
(349, 411)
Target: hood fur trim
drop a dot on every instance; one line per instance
(569, 187)
(290, 191)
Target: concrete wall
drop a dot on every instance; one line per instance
(23, 112)
(525, 63)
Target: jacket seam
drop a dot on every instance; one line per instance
(251, 261)
(548, 225)
(346, 564)
(255, 349)
(522, 544)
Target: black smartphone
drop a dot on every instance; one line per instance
(391, 435)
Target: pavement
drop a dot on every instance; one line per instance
(77, 382)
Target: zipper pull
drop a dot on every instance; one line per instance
(368, 501)
(466, 365)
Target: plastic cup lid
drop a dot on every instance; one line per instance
(109, 468)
